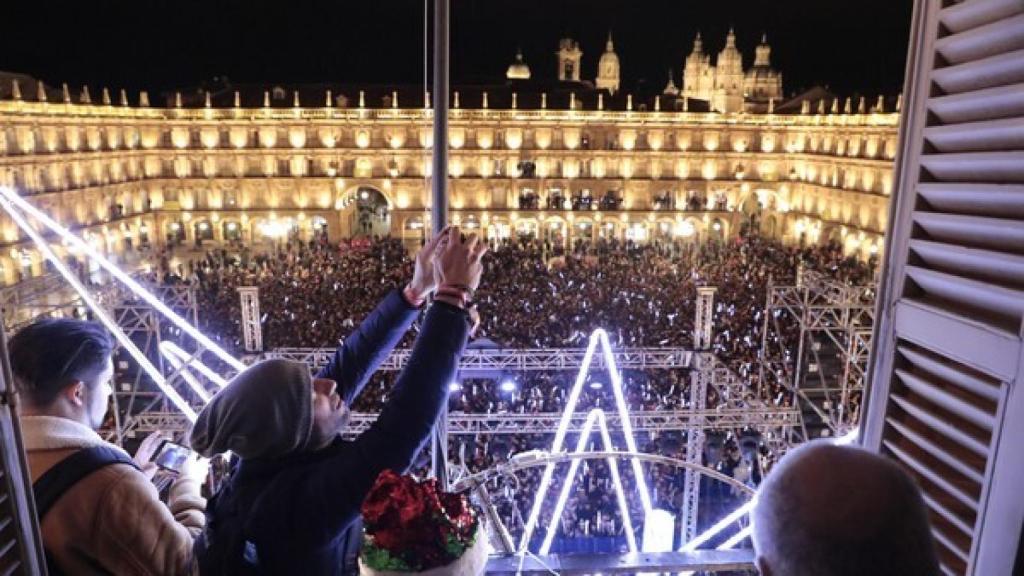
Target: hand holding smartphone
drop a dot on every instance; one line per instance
(172, 457)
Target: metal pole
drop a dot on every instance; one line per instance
(439, 205)
(23, 536)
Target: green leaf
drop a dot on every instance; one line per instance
(381, 559)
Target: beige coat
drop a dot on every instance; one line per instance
(112, 521)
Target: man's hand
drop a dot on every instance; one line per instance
(146, 451)
(459, 263)
(424, 280)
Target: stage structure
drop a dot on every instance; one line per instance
(829, 324)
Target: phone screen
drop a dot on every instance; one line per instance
(171, 456)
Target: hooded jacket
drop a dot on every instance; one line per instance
(299, 512)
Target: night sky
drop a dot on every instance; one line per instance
(158, 45)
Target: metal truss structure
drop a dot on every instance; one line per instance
(462, 424)
(135, 398)
(829, 324)
(703, 324)
(515, 360)
(252, 329)
(35, 297)
(694, 451)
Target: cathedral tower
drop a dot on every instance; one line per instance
(728, 95)
(608, 68)
(698, 73)
(569, 56)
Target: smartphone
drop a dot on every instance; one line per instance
(171, 456)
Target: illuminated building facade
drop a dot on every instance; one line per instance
(262, 166)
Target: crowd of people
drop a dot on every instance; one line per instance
(312, 294)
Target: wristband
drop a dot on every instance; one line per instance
(456, 294)
(461, 287)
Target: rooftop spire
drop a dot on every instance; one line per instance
(609, 45)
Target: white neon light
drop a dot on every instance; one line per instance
(736, 538)
(722, 524)
(169, 348)
(12, 197)
(659, 531)
(100, 314)
(595, 416)
(746, 508)
(187, 376)
(598, 337)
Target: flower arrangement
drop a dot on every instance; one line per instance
(412, 526)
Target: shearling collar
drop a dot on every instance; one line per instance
(55, 433)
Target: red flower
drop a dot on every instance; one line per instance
(414, 520)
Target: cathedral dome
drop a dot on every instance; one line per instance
(609, 60)
(518, 70)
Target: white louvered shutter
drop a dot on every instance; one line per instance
(945, 397)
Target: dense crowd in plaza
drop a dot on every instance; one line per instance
(312, 294)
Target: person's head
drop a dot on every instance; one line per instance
(63, 368)
(831, 510)
(271, 409)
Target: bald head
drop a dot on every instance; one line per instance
(836, 510)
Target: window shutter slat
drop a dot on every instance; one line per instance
(928, 474)
(965, 15)
(1002, 134)
(948, 516)
(950, 402)
(976, 166)
(1001, 307)
(1005, 201)
(938, 425)
(974, 384)
(936, 451)
(998, 70)
(950, 545)
(973, 230)
(999, 102)
(1000, 36)
(983, 264)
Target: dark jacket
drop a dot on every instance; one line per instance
(302, 511)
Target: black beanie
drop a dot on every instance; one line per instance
(264, 412)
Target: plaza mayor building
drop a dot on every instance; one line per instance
(559, 160)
